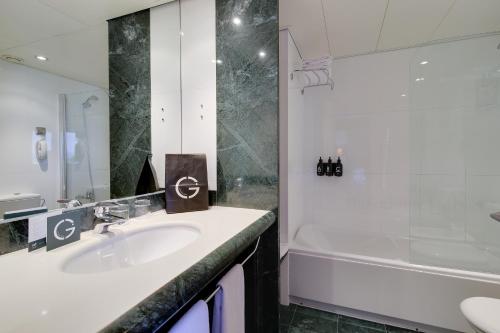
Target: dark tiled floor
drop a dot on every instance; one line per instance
(300, 319)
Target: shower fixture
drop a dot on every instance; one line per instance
(87, 103)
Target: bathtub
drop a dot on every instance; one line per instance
(371, 276)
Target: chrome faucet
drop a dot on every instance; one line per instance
(68, 203)
(110, 213)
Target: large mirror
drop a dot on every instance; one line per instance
(94, 92)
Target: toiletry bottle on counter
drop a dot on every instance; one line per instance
(320, 169)
(338, 168)
(329, 167)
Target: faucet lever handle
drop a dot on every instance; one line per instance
(110, 213)
(102, 213)
(102, 228)
(109, 209)
(70, 203)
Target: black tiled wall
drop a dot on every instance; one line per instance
(129, 100)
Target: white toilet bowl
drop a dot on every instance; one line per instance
(482, 313)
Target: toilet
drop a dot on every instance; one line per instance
(18, 201)
(482, 313)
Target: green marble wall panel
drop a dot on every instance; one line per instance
(247, 103)
(129, 100)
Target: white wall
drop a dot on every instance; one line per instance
(366, 117)
(454, 138)
(419, 156)
(297, 122)
(199, 109)
(29, 99)
(292, 167)
(188, 125)
(166, 117)
(284, 36)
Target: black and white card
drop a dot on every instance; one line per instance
(186, 185)
(63, 229)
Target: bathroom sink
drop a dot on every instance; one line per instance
(132, 248)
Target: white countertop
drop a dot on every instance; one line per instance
(37, 296)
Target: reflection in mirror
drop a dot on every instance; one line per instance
(90, 105)
(55, 107)
(86, 159)
(52, 130)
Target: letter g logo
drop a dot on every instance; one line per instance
(65, 233)
(195, 189)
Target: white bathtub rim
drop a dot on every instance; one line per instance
(396, 264)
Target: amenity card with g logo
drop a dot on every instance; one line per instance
(63, 229)
(186, 185)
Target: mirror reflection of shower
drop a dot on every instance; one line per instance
(87, 104)
(86, 170)
(90, 195)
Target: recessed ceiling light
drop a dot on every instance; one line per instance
(403, 95)
(236, 21)
(218, 61)
(262, 54)
(425, 62)
(419, 79)
(41, 58)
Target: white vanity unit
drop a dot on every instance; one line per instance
(86, 285)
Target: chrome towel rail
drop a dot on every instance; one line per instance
(242, 263)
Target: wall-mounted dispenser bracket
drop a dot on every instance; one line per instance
(41, 144)
(41, 131)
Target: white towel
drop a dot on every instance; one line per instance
(194, 321)
(316, 72)
(317, 64)
(229, 305)
(316, 77)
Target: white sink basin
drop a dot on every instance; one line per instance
(130, 248)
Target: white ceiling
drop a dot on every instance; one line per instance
(350, 27)
(71, 33)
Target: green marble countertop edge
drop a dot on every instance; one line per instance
(157, 308)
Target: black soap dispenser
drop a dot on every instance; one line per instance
(329, 167)
(338, 168)
(320, 169)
